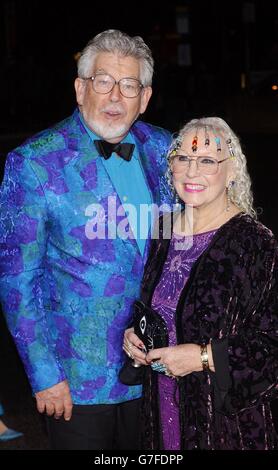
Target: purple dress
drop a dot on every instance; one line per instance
(182, 254)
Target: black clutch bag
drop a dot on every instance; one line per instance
(150, 327)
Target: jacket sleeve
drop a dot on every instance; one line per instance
(246, 363)
(23, 240)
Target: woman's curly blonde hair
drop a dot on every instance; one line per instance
(240, 193)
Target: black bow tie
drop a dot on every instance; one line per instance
(105, 149)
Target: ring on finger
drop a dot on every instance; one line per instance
(168, 373)
(129, 353)
(158, 367)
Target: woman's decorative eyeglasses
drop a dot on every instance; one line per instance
(205, 165)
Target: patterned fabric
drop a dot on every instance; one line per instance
(121, 173)
(175, 273)
(67, 298)
(230, 298)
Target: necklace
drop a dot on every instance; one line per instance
(209, 224)
(185, 226)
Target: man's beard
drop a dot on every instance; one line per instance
(112, 131)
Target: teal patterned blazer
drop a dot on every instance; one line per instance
(67, 298)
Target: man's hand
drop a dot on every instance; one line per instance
(55, 400)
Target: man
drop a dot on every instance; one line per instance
(70, 272)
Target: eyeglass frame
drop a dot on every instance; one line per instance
(200, 156)
(141, 86)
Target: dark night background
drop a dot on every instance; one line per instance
(211, 58)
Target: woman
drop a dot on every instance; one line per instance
(214, 282)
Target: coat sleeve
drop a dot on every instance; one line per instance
(246, 363)
(23, 241)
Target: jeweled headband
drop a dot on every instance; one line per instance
(194, 144)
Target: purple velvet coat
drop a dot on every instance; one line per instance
(231, 300)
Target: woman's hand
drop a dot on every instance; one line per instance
(179, 360)
(134, 347)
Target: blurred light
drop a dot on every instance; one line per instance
(274, 87)
(76, 56)
(243, 81)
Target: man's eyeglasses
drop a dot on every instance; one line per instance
(205, 165)
(104, 83)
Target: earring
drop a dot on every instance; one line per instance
(228, 193)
